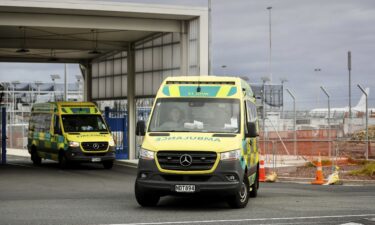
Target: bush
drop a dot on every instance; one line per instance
(367, 170)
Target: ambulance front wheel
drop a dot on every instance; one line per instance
(63, 161)
(37, 160)
(241, 197)
(146, 199)
(108, 164)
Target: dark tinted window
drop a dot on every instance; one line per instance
(83, 123)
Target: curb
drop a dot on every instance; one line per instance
(308, 180)
(126, 163)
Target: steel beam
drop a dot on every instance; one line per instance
(88, 22)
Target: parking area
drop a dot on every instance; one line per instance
(89, 194)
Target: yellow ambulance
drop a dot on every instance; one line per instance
(201, 138)
(69, 132)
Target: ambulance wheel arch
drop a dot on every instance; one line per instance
(255, 186)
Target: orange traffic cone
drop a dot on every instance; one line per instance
(319, 178)
(262, 171)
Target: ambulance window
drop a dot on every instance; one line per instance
(246, 116)
(251, 111)
(47, 122)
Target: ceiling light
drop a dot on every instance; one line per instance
(23, 49)
(95, 43)
(52, 58)
(94, 52)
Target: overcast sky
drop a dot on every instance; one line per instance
(305, 35)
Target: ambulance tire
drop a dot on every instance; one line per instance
(63, 161)
(241, 197)
(108, 165)
(254, 188)
(37, 160)
(146, 199)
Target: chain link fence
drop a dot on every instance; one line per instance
(311, 135)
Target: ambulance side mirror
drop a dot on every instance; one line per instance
(251, 130)
(59, 132)
(140, 130)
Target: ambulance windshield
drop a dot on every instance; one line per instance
(83, 123)
(209, 115)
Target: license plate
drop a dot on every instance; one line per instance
(96, 159)
(185, 188)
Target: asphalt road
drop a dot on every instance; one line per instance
(89, 194)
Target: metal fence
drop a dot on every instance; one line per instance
(308, 135)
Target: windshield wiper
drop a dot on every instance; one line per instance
(223, 135)
(173, 131)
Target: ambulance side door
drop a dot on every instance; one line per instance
(252, 117)
(247, 148)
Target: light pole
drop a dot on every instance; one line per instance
(264, 79)
(15, 83)
(270, 37)
(350, 91)
(367, 143)
(209, 38)
(317, 70)
(283, 80)
(224, 68)
(329, 119)
(294, 120)
(54, 77)
(65, 84)
(38, 83)
(79, 77)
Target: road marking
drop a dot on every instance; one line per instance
(243, 220)
(351, 224)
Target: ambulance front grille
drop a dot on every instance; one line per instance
(94, 146)
(196, 160)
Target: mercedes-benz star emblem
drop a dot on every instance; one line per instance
(186, 160)
(95, 146)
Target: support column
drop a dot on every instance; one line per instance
(184, 43)
(131, 101)
(87, 75)
(203, 44)
(4, 134)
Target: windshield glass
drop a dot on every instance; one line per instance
(83, 123)
(196, 115)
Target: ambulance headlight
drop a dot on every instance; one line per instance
(112, 142)
(231, 155)
(146, 154)
(73, 144)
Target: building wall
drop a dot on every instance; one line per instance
(156, 57)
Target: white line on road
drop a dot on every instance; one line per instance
(243, 220)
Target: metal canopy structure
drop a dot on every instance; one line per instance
(125, 50)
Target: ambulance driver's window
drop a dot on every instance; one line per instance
(38, 122)
(47, 122)
(32, 123)
(56, 127)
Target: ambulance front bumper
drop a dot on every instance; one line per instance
(75, 154)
